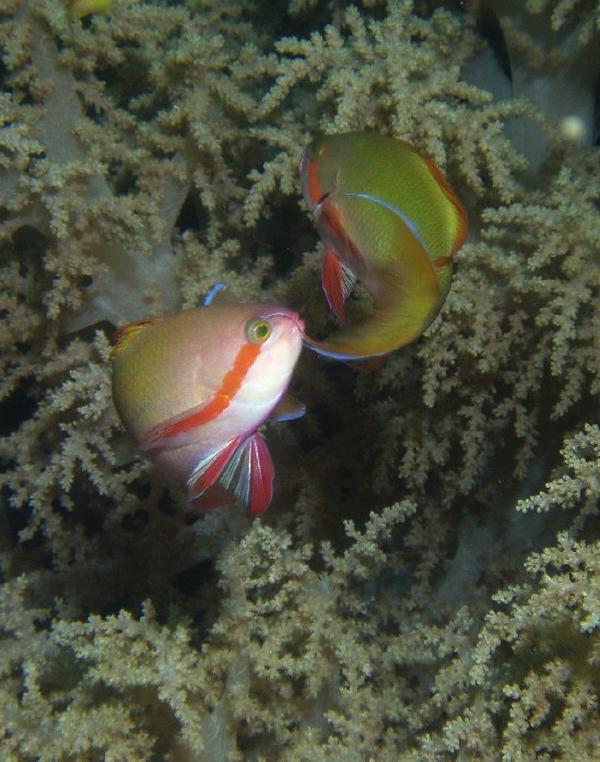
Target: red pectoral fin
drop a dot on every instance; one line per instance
(337, 281)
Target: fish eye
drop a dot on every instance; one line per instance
(258, 331)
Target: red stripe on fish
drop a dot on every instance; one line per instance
(314, 186)
(161, 435)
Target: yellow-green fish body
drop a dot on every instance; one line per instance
(387, 217)
(78, 9)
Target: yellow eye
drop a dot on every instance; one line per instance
(258, 331)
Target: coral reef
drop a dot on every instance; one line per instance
(426, 583)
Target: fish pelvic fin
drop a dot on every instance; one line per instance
(210, 468)
(338, 281)
(243, 470)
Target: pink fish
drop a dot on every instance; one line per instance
(194, 388)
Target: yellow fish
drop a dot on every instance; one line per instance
(78, 9)
(388, 217)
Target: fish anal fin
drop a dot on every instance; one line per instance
(123, 335)
(337, 281)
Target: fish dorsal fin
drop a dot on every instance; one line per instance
(218, 294)
(212, 293)
(122, 336)
(241, 468)
(288, 409)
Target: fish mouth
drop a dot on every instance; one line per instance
(293, 316)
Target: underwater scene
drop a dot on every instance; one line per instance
(300, 380)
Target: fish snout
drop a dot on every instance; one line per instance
(297, 322)
(290, 324)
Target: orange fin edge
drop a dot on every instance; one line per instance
(123, 335)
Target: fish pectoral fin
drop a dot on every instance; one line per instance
(182, 428)
(338, 281)
(218, 293)
(242, 468)
(287, 409)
